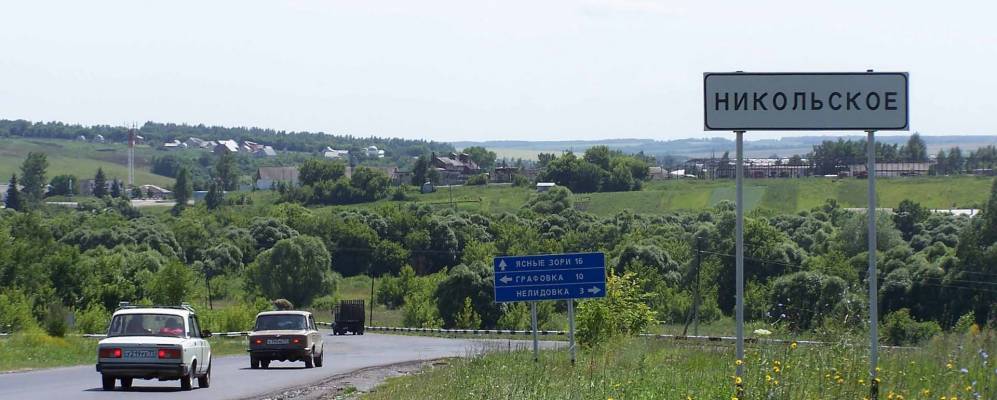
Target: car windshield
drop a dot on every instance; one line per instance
(146, 325)
(280, 322)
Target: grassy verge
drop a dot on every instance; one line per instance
(650, 369)
(33, 350)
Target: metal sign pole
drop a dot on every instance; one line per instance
(571, 329)
(533, 320)
(739, 254)
(873, 291)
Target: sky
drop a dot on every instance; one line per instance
(474, 70)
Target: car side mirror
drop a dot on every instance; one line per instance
(205, 334)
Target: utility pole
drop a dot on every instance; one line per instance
(695, 302)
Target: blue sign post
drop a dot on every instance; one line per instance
(550, 277)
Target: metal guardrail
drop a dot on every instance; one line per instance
(464, 331)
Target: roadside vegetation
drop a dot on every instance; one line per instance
(956, 366)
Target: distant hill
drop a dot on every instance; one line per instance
(704, 147)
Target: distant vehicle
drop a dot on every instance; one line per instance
(285, 336)
(156, 342)
(348, 317)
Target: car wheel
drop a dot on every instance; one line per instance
(308, 362)
(204, 382)
(126, 383)
(265, 364)
(185, 380)
(107, 382)
(318, 360)
(254, 363)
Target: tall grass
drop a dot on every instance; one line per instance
(34, 349)
(953, 366)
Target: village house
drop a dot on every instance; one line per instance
(268, 177)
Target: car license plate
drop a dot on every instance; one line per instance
(139, 354)
(278, 341)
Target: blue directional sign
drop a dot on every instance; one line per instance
(550, 277)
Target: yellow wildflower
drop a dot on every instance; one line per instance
(776, 363)
(738, 362)
(776, 369)
(926, 392)
(793, 345)
(768, 378)
(889, 396)
(969, 388)
(775, 382)
(861, 381)
(840, 381)
(949, 365)
(737, 380)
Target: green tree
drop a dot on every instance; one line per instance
(294, 269)
(622, 312)
(389, 257)
(183, 189)
(63, 185)
(915, 150)
(227, 172)
(13, 200)
(481, 156)
(907, 215)
(468, 281)
(419, 171)
(100, 183)
(215, 197)
(314, 171)
(268, 231)
(467, 318)
(33, 177)
(599, 155)
(172, 284)
(115, 188)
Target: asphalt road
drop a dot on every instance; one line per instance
(231, 377)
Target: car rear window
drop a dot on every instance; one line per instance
(146, 325)
(280, 322)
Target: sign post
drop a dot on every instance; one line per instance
(866, 101)
(550, 277)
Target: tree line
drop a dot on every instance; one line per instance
(804, 271)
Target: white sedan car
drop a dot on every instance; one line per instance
(159, 342)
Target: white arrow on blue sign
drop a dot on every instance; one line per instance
(550, 277)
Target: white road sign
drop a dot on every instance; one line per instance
(739, 101)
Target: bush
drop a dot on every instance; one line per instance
(393, 290)
(521, 181)
(477, 180)
(516, 316)
(55, 320)
(467, 318)
(899, 329)
(92, 320)
(235, 318)
(325, 303)
(15, 312)
(622, 312)
(420, 310)
(965, 323)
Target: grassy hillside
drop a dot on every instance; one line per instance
(79, 158)
(781, 195)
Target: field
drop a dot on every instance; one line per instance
(80, 158)
(956, 367)
(779, 195)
